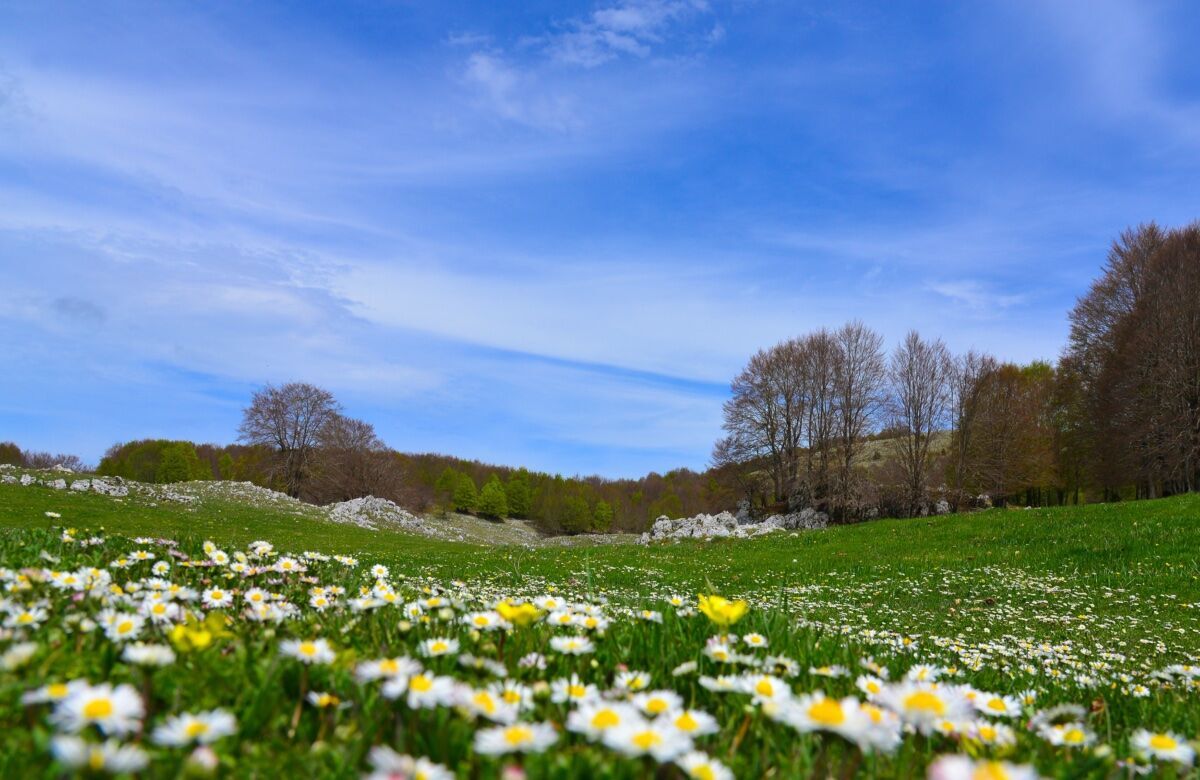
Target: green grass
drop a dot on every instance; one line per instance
(1080, 603)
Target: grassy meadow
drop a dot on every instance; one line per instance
(1055, 642)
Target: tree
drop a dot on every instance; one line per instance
(10, 453)
(290, 419)
(576, 516)
(466, 496)
(602, 516)
(965, 377)
(493, 502)
(350, 461)
(173, 467)
(858, 395)
(518, 494)
(920, 374)
(225, 466)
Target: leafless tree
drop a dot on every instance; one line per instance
(351, 461)
(821, 358)
(966, 374)
(289, 419)
(919, 374)
(858, 397)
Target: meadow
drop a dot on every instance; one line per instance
(221, 637)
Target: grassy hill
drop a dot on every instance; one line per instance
(1086, 604)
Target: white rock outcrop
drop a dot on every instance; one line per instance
(726, 524)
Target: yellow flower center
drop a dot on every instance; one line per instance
(827, 712)
(420, 683)
(576, 691)
(703, 772)
(656, 706)
(1163, 742)
(997, 705)
(308, 649)
(924, 701)
(125, 626)
(764, 688)
(686, 722)
(644, 740)
(518, 735)
(56, 691)
(481, 620)
(989, 770)
(988, 733)
(195, 729)
(97, 708)
(389, 666)
(1073, 736)
(484, 701)
(438, 647)
(605, 719)
(95, 759)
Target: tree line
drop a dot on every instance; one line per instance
(833, 421)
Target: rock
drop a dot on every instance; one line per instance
(371, 512)
(941, 507)
(107, 488)
(56, 484)
(62, 468)
(27, 479)
(8, 479)
(725, 525)
(81, 485)
(743, 515)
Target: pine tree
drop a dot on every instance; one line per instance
(518, 494)
(466, 495)
(492, 500)
(446, 485)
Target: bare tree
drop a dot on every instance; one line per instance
(351, 461)
(858, 397)
(966, 374)
(764, 418)
(821, 358)
(920, 374)
(289, 419)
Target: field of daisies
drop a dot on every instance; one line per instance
(1007, 645)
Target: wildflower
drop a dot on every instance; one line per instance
(1072, 735)
(386, 668)
(652, 738)
(870, 685)
(828, 671)
(817, 712)
(110, 756)
(322, 700)
(572, 645)
(387, 764)
(699, 766)
(485, 703)
(17, 655)
(148, 655)
(764, 688)
(572, 690)
(1164, 746)
(113, 710)
(656, 703)
(721, 611)
(996, 705)
(515, 738)
(54, 692)
(964, 768)
(631, 682)
(122, 627)
(309, 651)
(923, 706)
(203, 728)
(483, 621)
(513, 693)
(694, 723)
(432, 648)
(994, 734)
(755, 640)
(425, 690)
(592, 719)
(519, 615)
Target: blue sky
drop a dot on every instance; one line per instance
(548, 233)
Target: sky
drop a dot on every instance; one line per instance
(549, 233)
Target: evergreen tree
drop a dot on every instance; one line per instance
(466, 495)
(602, 516)
(173, 467)
(518, 494)
(492, 500)
(225, 466)
(446, 484)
